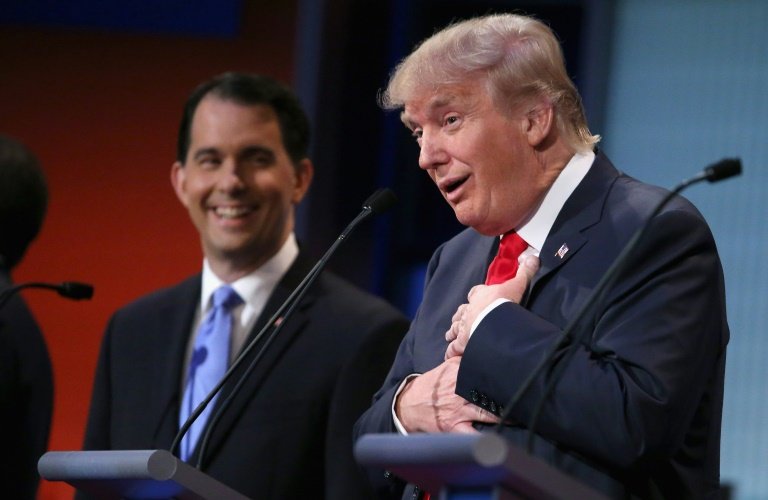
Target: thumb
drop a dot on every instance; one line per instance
(529, 267)
(514, 288)
(464, 428)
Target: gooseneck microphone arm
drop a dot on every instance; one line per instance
(721, 170)
(378, 202)
(69, 289)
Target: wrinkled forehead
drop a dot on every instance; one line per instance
(428, 101)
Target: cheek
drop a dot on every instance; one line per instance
(192, 191)
(278, 188)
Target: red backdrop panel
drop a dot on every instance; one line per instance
(101, 112)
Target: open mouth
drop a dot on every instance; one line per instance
(232, 212)
(453, 185)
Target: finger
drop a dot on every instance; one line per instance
(514, 289)
(454, 349)
(460, 311)
(464, 428)
(471, 413)
(482, 415)
(452, 332)
(530, 266)
(473, 291)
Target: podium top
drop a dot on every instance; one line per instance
(136, 474)
(437, 461)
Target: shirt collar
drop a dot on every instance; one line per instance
(536, 229)
(248, 286)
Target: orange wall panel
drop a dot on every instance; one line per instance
(101, 112)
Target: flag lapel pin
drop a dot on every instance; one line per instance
(562, 251)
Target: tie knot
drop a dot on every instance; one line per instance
(505, 264)
(226, 297)
(512, 244)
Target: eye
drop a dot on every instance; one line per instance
(259, 157)
(450, 120)
(209, 162)
(417, 133)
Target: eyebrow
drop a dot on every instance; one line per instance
(203, 152)
(245, 152)
(255, 149)
(436, 102)
(408, 123)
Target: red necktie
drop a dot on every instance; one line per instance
(503, 267)
(505, 264)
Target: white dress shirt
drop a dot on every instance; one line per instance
(536, 228)
(254, 289)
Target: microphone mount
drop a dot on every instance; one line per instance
(68, 289)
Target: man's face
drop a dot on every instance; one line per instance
(238, 183)
(482, 161)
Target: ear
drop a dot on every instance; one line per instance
(178, 180)
(303, 173)
(538, 123)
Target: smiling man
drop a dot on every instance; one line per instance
(241, 169)
(239, 184)
(637, 411)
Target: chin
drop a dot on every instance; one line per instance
(465, 221)
(483, 227)
(487, 232)
(469, 220)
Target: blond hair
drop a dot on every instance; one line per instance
(519, 59)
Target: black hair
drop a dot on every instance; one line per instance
(23, 200)
(248, 89)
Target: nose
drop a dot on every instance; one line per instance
(433, 153)
(230, 177)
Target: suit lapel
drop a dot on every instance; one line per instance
(170, 346)
(582, 210)
(289, 331)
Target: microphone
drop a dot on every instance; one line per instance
(718, 171)
(723, 169)
(379, 202)
(69, 289)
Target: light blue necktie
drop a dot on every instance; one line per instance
(210, 358)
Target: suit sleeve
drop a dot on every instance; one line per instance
(378, 418)
(635, 381)
(359, 379)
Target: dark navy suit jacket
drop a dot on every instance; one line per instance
(288, 433)
(638, 409)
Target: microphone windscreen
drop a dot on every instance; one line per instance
(75, 290)
(380, 201)
(727, 167)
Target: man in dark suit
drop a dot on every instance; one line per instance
(242, 167)
(26, 379)
(637, 411)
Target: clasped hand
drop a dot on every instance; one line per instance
(480, 297)
(428, 402)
